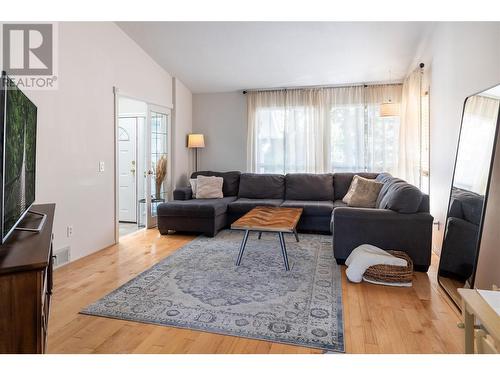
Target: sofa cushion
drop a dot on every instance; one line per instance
(339, 203)
(342, 182)
(243, 205)
(309, 187)
(231, 181)
(262, 186)
(195, 207)
(403, 198)
(311, 208)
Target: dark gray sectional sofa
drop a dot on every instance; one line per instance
(401, 220)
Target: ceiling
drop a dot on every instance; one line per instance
(229, 56)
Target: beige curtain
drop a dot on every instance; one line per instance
(410, 129)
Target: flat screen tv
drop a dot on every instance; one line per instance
(18, 155)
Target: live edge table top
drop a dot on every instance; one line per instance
(269, 219)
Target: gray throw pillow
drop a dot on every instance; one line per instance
(363, 192)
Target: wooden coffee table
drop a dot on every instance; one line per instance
(269, 219)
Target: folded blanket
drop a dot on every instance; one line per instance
(365, 256)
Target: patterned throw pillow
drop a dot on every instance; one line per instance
(363, 192)
(209, 187)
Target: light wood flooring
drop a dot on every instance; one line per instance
(377, 319)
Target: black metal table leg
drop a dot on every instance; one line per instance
(296, 235)
(242, 247)
(260, 235)
(283, 251)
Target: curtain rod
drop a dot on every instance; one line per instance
(421, 66)
(397, 83)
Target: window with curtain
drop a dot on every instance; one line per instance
(322, 130)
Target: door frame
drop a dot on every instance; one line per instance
(117, 93)
(150, 221)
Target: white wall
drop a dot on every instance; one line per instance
(76, 128)
(182, 126)
(464, 59)
(131, 107)
(222, 118)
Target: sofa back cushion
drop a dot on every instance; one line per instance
(342, 182)
(231, 181)
(399, 196)
(309, 187)
(471, 205)
(388, 181)
(262, 186)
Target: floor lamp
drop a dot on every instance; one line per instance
(196, 141)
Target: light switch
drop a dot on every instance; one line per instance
(101, 166)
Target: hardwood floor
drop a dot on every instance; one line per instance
(377, 319)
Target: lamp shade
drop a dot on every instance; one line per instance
(196, 141)
(389, 109)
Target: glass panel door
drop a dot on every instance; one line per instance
(158, 176)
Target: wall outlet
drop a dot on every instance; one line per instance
(101, 166)
(69, 230)
(62, 256)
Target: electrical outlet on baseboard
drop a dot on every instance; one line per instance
(69, 230)
(101, 166)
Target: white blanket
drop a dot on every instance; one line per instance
(365, 256)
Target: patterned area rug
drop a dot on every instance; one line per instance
(199, 287)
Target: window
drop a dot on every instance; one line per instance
(323, 130)
(361, 140)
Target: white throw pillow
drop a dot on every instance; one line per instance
(209, 187)
(192, 182)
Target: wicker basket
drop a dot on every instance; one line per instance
(391, 274)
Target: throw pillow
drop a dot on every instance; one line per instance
(209, 187)
(363, 192)
(192, 182)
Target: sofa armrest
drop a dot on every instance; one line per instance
(387, 229)
(183, 194)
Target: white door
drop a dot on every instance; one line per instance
(127, 167)
(158, 160)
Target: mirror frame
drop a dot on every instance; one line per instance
(483, 213)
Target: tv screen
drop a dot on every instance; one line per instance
(18, 142)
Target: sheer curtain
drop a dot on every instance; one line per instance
(286, 131)
(322, 130)
(476, 142)
(410, 129)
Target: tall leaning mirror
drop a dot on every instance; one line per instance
(469, 192)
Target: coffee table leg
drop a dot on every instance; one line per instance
(242, 248)
(296, 235)
(260, 235)
(283, 251)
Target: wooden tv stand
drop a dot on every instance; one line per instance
(26, 285)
